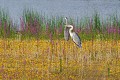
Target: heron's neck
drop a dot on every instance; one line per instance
(71, 31)
(66, 21)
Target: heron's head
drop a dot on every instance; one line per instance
(66, 18)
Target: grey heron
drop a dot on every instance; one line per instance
(76, 39)
(66, 31)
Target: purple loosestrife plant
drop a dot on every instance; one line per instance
(22, 24)
(77, 30)
(26, 29)
(60, 29)
(36, 26)
(8, 32)
(33, 30)
(109, 30)
(35, 22)
(87, 30)
(50, 36)
(119, 31)
(47, 28)
(112, 30)
(5, 28)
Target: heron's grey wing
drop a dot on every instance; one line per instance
(66, 33)
(76, 39)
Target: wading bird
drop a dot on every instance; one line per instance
(76, 39)
(66, 31)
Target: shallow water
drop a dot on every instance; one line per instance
(72, 8)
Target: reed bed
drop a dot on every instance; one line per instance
(39, 26)
(59, 59)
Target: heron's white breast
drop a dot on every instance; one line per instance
(72, 34)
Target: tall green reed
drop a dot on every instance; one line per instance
(7, 29)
